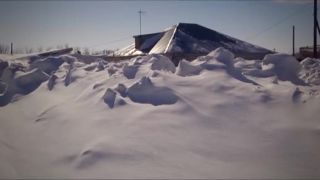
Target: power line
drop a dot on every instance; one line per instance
(277, 23)
(113, 41)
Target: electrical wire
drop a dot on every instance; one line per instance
(113, 41)
(252, 37)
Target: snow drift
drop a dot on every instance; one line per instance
(214, 117)
(310, 71)
(20, 79)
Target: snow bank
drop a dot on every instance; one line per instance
(122, 90)
(130, 71)
(50, 64)
(186, 68)
(109, 97)
(28, 82)
(310, 71)
(144, 91)
(285, 67)
(18, 78)
(282, 67)
(160, 62)
(209, 118)
(222, 55)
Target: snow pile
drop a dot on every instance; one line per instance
(214, 117)
(284, 66)
(130, 71)
(310, 71)
(222, 55)
(281, 66)
(144, 91)
(109, 97)
(186, 68)
(51, 64)
(17, 78)
(160, 62)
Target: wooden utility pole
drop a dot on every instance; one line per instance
(11, 51)
(293, 41)
(140, 13)
(315, 22)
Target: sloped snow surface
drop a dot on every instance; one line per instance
(145, 92)
(214, 117)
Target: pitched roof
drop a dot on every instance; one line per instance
(194, 39)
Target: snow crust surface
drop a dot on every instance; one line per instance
(214, 117)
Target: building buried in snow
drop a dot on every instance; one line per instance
(307, 51)
(188, 41)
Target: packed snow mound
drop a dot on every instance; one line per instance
(97, 65)
(160, 62)
(109, 97)
(29, 81)
(122, 90)
(19, 83)
(220, 58)
(130, 71)
(285, 61)
(18, 78)
(277, 66)
(223, 55)
(208, 118)
(310, 71)
(186, 68)
(284, 66)
(50, 64)
(145, 91)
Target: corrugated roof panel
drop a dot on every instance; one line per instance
(162, 44)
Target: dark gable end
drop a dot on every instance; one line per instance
(146, 42)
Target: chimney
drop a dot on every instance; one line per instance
(137, 41)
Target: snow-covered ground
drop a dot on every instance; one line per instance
(215, 117)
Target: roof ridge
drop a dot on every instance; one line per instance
(174, 32)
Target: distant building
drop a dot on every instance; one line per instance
(307, 52)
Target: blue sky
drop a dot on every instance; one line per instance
(111, 24)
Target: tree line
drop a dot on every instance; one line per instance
(6, 49)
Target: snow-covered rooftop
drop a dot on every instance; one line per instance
(194, 39)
